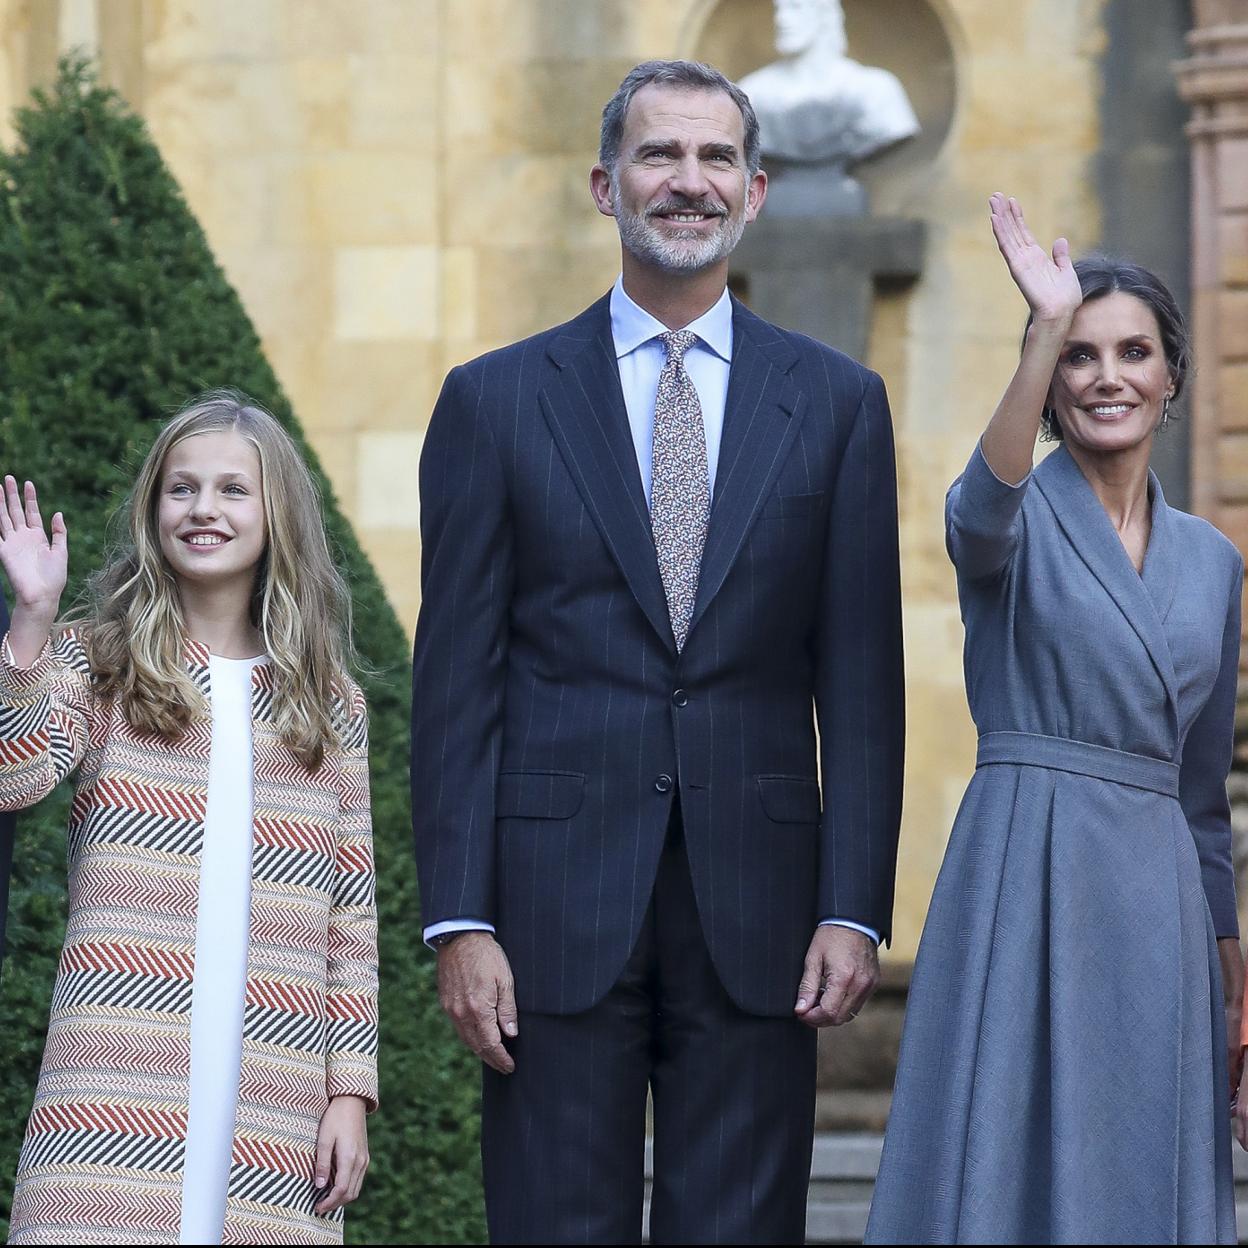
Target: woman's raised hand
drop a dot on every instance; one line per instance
(1049, 284)
(36, 566)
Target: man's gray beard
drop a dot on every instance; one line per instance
(675, 255)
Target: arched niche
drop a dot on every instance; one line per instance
(911, 38)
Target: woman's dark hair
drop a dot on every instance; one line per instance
(1102, 275)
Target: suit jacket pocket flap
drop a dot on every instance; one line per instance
(539, 794)
(789, 799)
(791, 506)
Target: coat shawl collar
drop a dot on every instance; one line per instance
(584, 407)
(1143, 598)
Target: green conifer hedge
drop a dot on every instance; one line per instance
(113, 313)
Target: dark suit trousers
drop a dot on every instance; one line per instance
(563, 1138)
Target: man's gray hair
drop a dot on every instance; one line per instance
(690, 74)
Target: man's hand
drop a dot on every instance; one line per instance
(841, 971)
(476, 990)
(1234, 1047)
(1239, 1115)
(1232, 962)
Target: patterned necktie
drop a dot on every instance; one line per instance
(680, 494)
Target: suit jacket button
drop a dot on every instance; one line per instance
(680, 698)
(663, 784)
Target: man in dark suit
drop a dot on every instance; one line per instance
(7, 823)
(657, 540)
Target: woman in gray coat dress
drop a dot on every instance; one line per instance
(1064, 1071)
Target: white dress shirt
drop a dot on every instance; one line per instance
(640, 356)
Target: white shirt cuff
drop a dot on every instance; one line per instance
(456, 925)
(858, 927)
(479, 925)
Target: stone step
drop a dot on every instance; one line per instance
(842, 1175)
(848, 1111)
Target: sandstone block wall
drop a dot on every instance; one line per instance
(397, 185)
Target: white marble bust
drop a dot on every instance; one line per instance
(815, 104)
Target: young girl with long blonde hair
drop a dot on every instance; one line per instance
(212, 1046)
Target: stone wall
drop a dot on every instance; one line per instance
(397, 185)
(1214, 82)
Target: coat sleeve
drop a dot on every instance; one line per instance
(351, 986)
(859, 692)
(1202, 775)
(982, 521)
(460, 659)
(8, 831)
(44, 712)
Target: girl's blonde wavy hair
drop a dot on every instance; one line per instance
(131, 619)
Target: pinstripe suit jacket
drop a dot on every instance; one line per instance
(103, 1156)
(553, 718)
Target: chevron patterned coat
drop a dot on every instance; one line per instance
(103, 1154)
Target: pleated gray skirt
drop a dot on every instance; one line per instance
(1063, 1068)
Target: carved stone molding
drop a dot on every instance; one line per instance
(1213, 80)
(1213, 13)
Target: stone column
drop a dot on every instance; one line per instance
(818, 275)
(1214, 81)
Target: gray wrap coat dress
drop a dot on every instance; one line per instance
(1063, 1069)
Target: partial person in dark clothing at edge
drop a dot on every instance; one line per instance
(656, 541)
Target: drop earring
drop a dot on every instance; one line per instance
(1165, 414)
(1048, 421)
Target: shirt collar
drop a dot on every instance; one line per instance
(632, 325)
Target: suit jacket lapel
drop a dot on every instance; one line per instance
(761, 418)
(584, 407)
(1087, 527)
